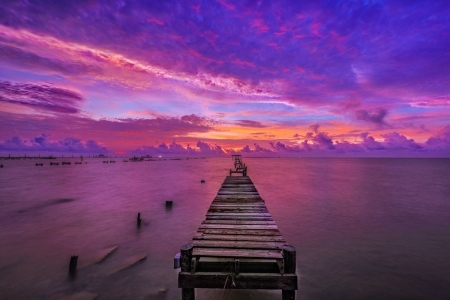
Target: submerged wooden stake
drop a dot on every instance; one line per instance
(73, 265)
(139, 220)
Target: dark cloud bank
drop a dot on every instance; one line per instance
(43, 143)
(315, 143)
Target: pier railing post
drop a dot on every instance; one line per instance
(290, 264)
(185, 260)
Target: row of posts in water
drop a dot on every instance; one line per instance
(74, 258)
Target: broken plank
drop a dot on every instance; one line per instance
(96, 257)
(129, 262)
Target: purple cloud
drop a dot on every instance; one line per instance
(41, 97)
(369, 142)
(27, 60)
(249, 123)
(43, 143)
(376, 117)
(441, 141)
(396, 141)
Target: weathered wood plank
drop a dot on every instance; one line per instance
(234, 205)
(224, 237)
(268, 281)
(237, 253)
(257, 214)
(241, 198)
(238, 193)
(238, 197)
(243, 218)
(237, 227)
(238, 210)
(238, 189)
(240, 232)
(239, 222)
(242, 185)
(238, 244)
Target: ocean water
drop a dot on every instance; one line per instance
(363, 228)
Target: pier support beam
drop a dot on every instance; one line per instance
(290, 264)
(187, 294)
(288, 295)
(185, 259)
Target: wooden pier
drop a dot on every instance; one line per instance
(238, 245)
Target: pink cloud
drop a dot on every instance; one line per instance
(226, 4)
(260, 25)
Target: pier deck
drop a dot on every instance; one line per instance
(238, 246)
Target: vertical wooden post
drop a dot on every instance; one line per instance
(186, 257)
(73, 265)
(188, 294)
(139, 220)
(290, 265)
(289, 255)
(288, 294)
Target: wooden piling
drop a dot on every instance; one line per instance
(73, 265)
(186, 257)
(187, 294)
(139, 220)
(185, 260)
(289, 255)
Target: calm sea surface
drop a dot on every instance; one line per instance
(363, 228)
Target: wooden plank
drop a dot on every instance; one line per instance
(238, 193)
(238, 189)
(238, 210)
(238, 179)
(237, 253)
(237, 227)
(238, 200)
(240, 232)
(258, 214)
(243, 218)
(238, 196)
(239, 222)
(268, 281)
(224, 237)
(238, 244)
(232, 185)
(232, 205)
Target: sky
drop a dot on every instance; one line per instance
(262, 78)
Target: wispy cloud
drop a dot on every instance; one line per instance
(41, 97)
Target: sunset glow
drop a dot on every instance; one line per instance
(361, 78)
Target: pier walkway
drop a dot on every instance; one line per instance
(238, 246)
